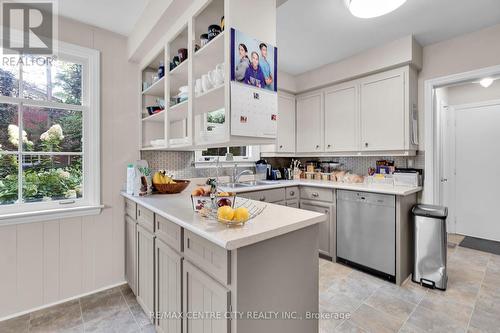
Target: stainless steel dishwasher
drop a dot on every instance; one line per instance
(366, 232)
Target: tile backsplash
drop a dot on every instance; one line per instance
(358, 164)
(181, 164)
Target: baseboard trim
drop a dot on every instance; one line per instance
(17, 314)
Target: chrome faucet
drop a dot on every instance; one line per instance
(237, 176)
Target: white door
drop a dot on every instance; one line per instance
(310, 123)
(476, 164)
(383, 111)
(286, 124)
(341, 118)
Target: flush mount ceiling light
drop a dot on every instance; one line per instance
(372, 8)
(486, 82)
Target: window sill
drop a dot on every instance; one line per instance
(51, 214)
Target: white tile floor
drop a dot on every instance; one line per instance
(470, 304)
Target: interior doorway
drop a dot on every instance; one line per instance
(468, 159)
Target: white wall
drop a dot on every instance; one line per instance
(287, 82)
(400, 52)
(457, 55)
(45, 262)
(473, 93)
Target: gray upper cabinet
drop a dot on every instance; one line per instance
(131, 253)
(310, 123)
(202, 294)
(384, 106)
(168, 287)
(342, 118)
(285, 143)
(145, 266)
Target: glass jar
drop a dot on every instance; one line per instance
(310, 166)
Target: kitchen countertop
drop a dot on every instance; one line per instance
(275, 220)
(376, 188)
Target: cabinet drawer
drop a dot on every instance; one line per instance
(145, 217)
(292, 192)
(274, 195)
(131, 208)
(315, 193)
(169, 232)
(211, 258)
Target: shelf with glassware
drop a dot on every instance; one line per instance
(177, 119)
(198, 90)
(153, 102)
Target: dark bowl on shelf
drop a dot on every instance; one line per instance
(153, 109)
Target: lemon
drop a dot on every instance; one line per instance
(241, 214)
(225, 213)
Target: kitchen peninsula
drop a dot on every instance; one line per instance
(178, 261)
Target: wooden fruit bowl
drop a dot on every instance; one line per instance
(179, 186)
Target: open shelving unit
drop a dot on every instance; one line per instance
(178, 120)
(152, 126)
(191, 124)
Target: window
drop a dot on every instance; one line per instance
(241, 154)
(49, 133)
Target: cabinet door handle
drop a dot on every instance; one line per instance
(329, 146)
(281, 146)
(327, 211)
(366, 144)
(315, 194)
(262, 199)
(317, 146)
(292, 193)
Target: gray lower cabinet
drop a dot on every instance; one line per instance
(131, 253)
(327, 228)
(145, 265)
(168, 288)
(202, 294)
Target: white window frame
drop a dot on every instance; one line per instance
(90, 203)
(253, 155)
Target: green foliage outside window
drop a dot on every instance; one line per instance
(45, 176)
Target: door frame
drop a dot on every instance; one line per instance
(433, 150)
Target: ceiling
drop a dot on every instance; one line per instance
(119, 16)
(324, 31)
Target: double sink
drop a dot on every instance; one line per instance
(249, 184)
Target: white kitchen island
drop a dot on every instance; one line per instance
(263, 274)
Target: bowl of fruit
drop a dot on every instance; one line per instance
(165, 184)
(233, 216)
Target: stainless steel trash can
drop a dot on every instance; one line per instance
(430, 244)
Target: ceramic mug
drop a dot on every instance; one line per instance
(203, 39)
(182, 54)
(205, 83)
(215, 78)
(213, 31)
(220, 69)
(198, 88)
